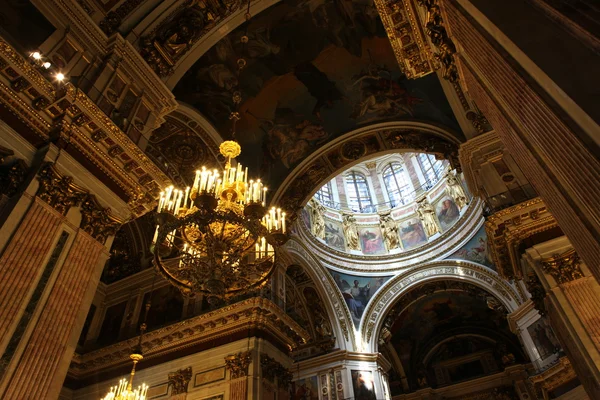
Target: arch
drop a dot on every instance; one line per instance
(210, 38)
(337, 311)
(358, 146)
(399, 285)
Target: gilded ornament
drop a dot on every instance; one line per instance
(563, 267)
(58, 191)
(350, 232)
(238, 364)
(179, 380)
(389, 228)
(230, 149)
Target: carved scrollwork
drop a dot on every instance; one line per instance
(58, 191)
(238, 364)
(563, 267)
(97, 220)
(179, 380)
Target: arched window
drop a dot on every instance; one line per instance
(397, 184)
(325, 195)
(431, 168)
(357, 190)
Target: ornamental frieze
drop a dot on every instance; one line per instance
(205, 328)
(69, 116)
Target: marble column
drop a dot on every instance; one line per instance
(500, 79)
(572, 302)
(22, 262)
(34, 371)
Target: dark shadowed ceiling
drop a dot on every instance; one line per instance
(315, 70)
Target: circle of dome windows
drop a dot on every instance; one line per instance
(394, 177)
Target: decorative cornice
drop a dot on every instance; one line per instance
(555, 376)
(69, 116)
(256, 313)
(563, 267)
(508, 228)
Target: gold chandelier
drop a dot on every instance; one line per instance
(217, 238)
(124, 390)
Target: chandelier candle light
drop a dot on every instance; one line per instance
(217, 237)
(124, 390)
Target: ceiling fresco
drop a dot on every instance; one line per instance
(438, 311)
(315, 70)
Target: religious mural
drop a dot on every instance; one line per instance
(334, 235)
(363, 385)
(314, 70)
(305, 389)
(357, 291)
(429, 313)
(411, 233)
(476, 250)
(543, 337)
(371, 241)
(447, 212)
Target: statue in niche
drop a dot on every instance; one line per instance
(427, 215)
(455, 190)
(350, 232)
(318, 222)
(389, 228)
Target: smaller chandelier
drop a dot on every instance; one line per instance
(124, 390)
(217, 238)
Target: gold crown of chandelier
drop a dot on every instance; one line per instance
(217, 237)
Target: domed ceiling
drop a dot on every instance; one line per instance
(315, 70)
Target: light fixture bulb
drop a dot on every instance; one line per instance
(47, 65)
(36, 55)
(60, 77)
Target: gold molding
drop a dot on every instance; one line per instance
(508, 228)
(400, 19)
(238, 317)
